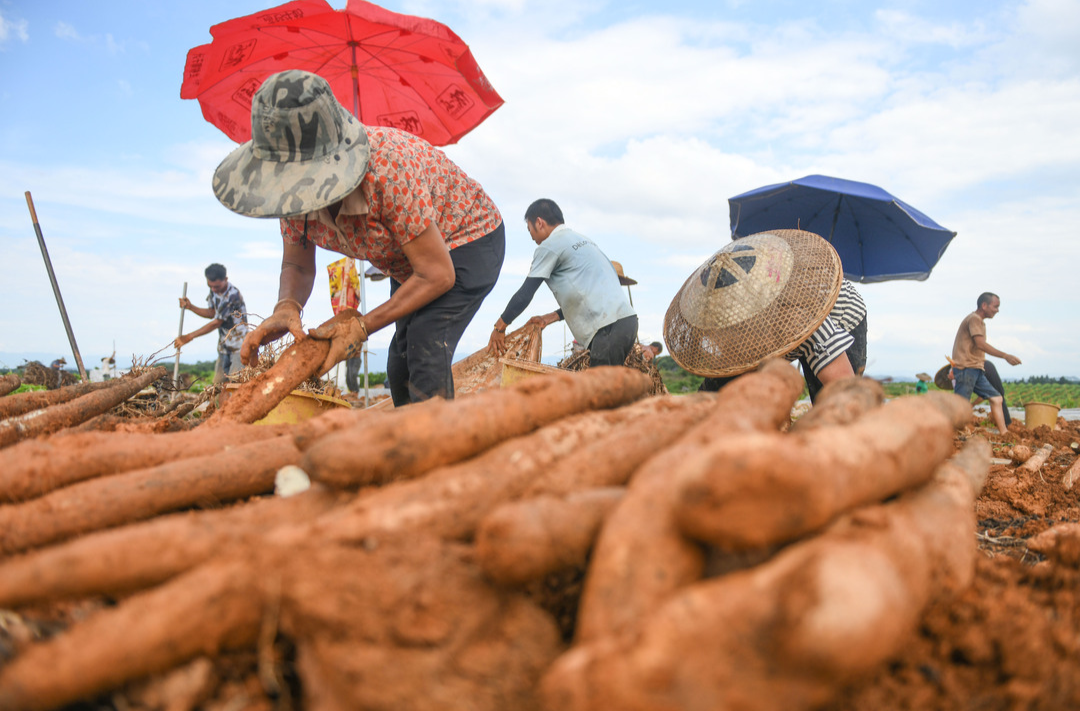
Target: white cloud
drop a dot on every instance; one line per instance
(18, 29)
(64, 30)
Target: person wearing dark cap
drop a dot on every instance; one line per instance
(586, 286)
(372, 193)
(228, 313)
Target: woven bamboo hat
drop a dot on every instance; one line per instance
(941, 378)
(760, 296)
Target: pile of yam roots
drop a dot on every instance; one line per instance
(730, 558)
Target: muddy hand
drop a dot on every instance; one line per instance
(285, 319)
(497, 343)
(346, 332)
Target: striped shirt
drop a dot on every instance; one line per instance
(833, 337)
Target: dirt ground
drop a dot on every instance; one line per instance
(1011, 641)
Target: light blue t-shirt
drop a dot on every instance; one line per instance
(583, 281)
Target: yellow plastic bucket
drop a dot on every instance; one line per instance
(297, 406)
(1040, 413)
(515, 370)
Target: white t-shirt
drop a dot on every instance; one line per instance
(583, 281)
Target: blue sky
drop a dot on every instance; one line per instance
(639, 121)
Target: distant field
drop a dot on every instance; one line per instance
(1064, 395)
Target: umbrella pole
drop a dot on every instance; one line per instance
(363, 347)
(176, 365)
(363, 277)
(55, 287)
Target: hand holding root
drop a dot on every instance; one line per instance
(346, 332)
(285, 319)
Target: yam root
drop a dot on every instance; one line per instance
(362, 638)
(1060, 544)
(138, 556)
(610, 460)
(35, 467)
(523, 541)
(110, 501)
(1035, 462)
(78, 410)
(640, 556)
(449, 502)
(408, 442)
(841, 402)
(217, 606)
(791, 632)
(253, 400)
(9, 383)
(22, 403)
(764, 489)
(1069, 480)
(1021, 453)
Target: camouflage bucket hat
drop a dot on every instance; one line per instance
(306, 151)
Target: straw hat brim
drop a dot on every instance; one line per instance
(756, 299)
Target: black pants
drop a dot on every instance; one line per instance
(352, 373)
(422, 349)
(613, 342)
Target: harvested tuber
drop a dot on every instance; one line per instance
(404, 623)
(523, 541)
(80, 409)
(841, 402)
(408, 442)
(22, 403)
(143, 554)
(123, 498)
(790, 633)
(35, 467)
(253, 400)
(640, 556)
(9, 383)
(610, 460)
(1035, 462)
(768, 488)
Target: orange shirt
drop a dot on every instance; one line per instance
(409, 185)
(964, 352)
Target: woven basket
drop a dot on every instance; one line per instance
(759, 297)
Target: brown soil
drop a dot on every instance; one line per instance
(1012, 640)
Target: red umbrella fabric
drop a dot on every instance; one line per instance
(390, 69)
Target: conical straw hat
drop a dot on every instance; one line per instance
(759, 297)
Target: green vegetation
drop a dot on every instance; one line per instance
(677, 380)
(1065, 395)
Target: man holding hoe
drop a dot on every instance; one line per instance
(225, 307)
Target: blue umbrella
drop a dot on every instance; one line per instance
(877, 236)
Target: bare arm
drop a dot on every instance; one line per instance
(982, 345)
(204, 311)
(838, 369)
(433, 275)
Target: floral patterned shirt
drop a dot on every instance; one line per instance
(409, 185)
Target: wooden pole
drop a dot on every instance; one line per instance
(55, 286)
(176, 366)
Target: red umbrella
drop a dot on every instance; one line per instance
(394, 70)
